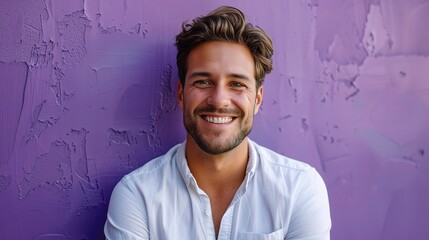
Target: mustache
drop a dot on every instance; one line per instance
(213, 109)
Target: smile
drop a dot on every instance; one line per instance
(218, 120)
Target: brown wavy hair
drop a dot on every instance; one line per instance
(225, 24)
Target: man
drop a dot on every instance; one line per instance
(218, 184)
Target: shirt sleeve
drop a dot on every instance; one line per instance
(127, 215)
(310, 215)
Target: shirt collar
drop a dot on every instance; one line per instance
(183, 165)
(189, 178)
(253, 158)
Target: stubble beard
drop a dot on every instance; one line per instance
(217, 147)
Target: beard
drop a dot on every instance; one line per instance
(211, 146)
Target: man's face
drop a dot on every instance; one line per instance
(219, 97)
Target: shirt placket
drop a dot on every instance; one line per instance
(206, 214)
(203, 207)
(226, 224)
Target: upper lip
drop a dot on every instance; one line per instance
(216, 115)
(212, 111)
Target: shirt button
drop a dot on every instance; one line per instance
(207, 213)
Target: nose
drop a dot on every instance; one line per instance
(219, 97)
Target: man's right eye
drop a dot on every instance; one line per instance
(202, 83)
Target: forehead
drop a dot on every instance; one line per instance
(219, 57)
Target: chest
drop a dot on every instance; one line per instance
(194, 219)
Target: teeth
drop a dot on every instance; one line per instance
(218, 120)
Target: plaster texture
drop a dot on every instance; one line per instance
(88, 93)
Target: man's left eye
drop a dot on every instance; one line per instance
(237, 84)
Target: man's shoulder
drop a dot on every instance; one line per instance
(274, 159)
(275, 166)
(159, 164)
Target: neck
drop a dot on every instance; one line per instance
(219, 176)
(220, 170)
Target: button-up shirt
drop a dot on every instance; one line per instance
(280, 198)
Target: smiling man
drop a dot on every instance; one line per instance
(219, 184)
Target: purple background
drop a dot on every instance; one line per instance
(88, 93)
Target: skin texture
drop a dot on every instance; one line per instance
(219, 100)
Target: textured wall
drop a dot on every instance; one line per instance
(87, 94)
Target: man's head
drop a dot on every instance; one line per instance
(222, 62)
(225, 24)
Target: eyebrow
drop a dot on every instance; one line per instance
(207, 74)
(200, 74)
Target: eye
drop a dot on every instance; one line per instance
(202, 83)
(238, 85)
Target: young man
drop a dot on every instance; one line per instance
(218, 184)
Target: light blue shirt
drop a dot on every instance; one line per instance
(280, 198)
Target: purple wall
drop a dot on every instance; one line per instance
(88, 93)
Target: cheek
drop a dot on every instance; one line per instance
(190, 102)
(195, 97)
(246, 103)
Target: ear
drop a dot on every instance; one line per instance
(259, 95)
(180, 94)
